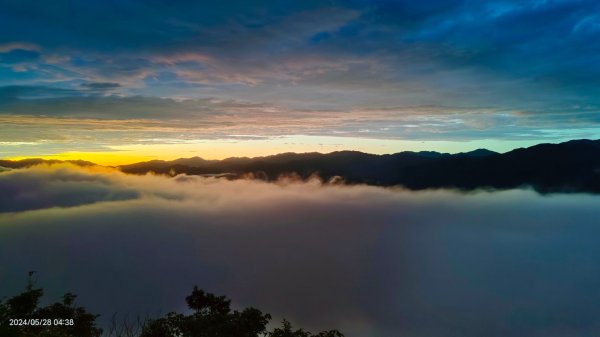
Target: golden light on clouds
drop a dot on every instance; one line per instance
(165, 149)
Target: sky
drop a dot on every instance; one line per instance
(369, 261)
(123, 81)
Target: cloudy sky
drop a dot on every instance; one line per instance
(369, 261)
(118, 81)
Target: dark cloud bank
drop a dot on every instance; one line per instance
(367, 260)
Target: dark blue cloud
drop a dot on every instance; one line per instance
(534, 56)
(12, 93)
(114, 25)
(18, 56)
(100, 86)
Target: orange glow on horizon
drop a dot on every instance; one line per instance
(100, 158)
(226, 148)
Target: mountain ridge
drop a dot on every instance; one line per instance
(572, 166)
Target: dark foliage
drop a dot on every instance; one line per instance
(211, 316)
(287, 331)
(53, 320)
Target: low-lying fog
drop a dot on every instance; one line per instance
(366, 260)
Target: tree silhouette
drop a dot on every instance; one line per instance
(211, 316)
(287, 331)
(56, 317)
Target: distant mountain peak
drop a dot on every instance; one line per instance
(479, 153)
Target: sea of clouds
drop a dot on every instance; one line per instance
(366, 260)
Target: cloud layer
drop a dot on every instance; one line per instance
(495, 70)
(370, 261)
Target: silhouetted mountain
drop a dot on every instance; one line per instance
(193, 162)
(37, 161)
(572, 166)
(479, 153)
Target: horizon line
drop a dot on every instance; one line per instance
(54, 156)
